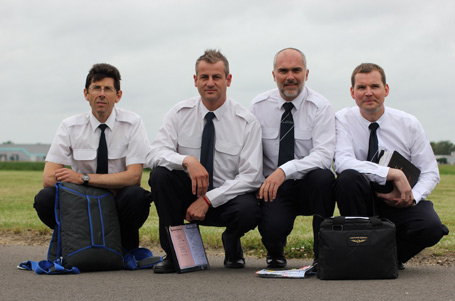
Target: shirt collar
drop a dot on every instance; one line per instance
(380, 121)
(109, 122)
(219, 113)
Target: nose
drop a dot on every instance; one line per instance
(210, 81)
(102, 93)
(290, 76)
(368, 91)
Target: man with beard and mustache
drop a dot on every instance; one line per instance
(298, 138)
(356, 163)
(77, 142)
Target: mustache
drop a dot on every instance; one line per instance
(290, 82)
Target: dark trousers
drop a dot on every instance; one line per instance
(171, 192)
(133, 206)
(418, 227)
(311, 195)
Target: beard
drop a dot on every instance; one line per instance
(293, 93)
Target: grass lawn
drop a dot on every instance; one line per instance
(18, 187)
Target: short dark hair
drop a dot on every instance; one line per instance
(212, 56)
(101, 71)
(367, 68)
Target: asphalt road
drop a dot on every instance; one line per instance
(414, 283)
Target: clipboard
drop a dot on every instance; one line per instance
(187, 248)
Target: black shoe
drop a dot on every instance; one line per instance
(400, 266)
(166, 266)
(233, 261)
(238, 263)
(278, 262)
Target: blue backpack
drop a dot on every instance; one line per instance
(87, 235)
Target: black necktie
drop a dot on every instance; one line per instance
(286, 152)
(101, 166)
(208, 145)
(373, 150)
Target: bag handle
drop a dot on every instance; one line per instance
(339, 221)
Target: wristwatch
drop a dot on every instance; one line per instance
(85, 178)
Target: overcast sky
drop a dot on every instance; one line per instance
(47, 48)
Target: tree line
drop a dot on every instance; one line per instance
(443, 147)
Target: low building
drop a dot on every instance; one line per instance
(24, 152)
(446, 159)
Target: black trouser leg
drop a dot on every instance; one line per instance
(353, 194)
(418, 227)
(171, 192)
(311, 195)
(133, 207)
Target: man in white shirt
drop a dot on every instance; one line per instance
(76, 144)
(418, 226)
(219, 190)
(298, 138)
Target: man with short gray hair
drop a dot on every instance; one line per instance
(298, 138)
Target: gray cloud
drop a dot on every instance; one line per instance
(47, 48)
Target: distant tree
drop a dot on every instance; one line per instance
(8, 142)
(442, 147)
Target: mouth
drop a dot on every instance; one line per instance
(291, 85)
(369, 100)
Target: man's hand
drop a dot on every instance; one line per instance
(68, 175)
(197, 210)
(394, 199)
(198, 174)
(269, 188)
(401, 196)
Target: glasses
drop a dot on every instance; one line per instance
(108, 90)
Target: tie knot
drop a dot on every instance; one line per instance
(288, 106)
(209, 116)
(102, 127)
(373, 126)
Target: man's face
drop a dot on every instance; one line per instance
(102, 97)
(369, 93)
(290, 74)
(211, 82)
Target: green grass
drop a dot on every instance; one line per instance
(18, 188)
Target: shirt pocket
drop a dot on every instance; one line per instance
(229, 154)
(84, 154)
(117, 152)
(189, 146)
(270, 143)
(270, 133)
(304, 141)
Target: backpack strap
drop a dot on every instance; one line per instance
(47, 267)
